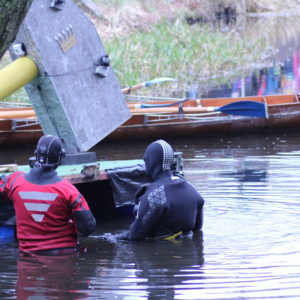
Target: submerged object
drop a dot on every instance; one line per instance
(7, 234)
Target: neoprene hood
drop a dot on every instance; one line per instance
(49, 151)
(158, 157)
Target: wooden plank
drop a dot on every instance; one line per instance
(280, 99)
(8, 168)
(223, 101)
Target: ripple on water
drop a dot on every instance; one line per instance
(251, 228)
(249, 248)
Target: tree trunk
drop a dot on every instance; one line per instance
(12, 13)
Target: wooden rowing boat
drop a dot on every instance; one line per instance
(168, 117)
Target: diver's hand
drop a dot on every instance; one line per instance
(123, 236)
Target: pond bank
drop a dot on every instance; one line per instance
(117, 18)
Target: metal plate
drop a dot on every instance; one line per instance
(70, 100)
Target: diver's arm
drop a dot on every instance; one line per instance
(83, 218)
(147, 217)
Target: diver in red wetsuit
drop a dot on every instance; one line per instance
(169, 206)
(50, 211)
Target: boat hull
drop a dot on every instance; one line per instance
(283, 115)
(282, 118)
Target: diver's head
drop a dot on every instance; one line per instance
(49, 151)
(158, 157)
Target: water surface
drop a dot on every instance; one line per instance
(249, 248)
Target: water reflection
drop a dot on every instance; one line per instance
(8, 271)
(249, 248)
(251, 213)
(152, 269)
(49, 277)
(248, 170)
(279, 79)
(278, 72)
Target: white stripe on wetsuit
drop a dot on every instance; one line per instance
(37, 207)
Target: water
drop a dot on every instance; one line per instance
(276, 69)
(249, 248)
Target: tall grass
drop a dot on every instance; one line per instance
(188, 53)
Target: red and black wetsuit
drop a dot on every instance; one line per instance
(50, 211)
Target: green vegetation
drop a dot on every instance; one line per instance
(188, 53)
(19, 96)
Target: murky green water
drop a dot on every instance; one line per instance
(249, 248)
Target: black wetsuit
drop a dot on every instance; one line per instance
(168, 205)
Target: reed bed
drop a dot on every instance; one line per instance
(189, 54)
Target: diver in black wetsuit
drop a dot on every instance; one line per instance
(169, 206)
